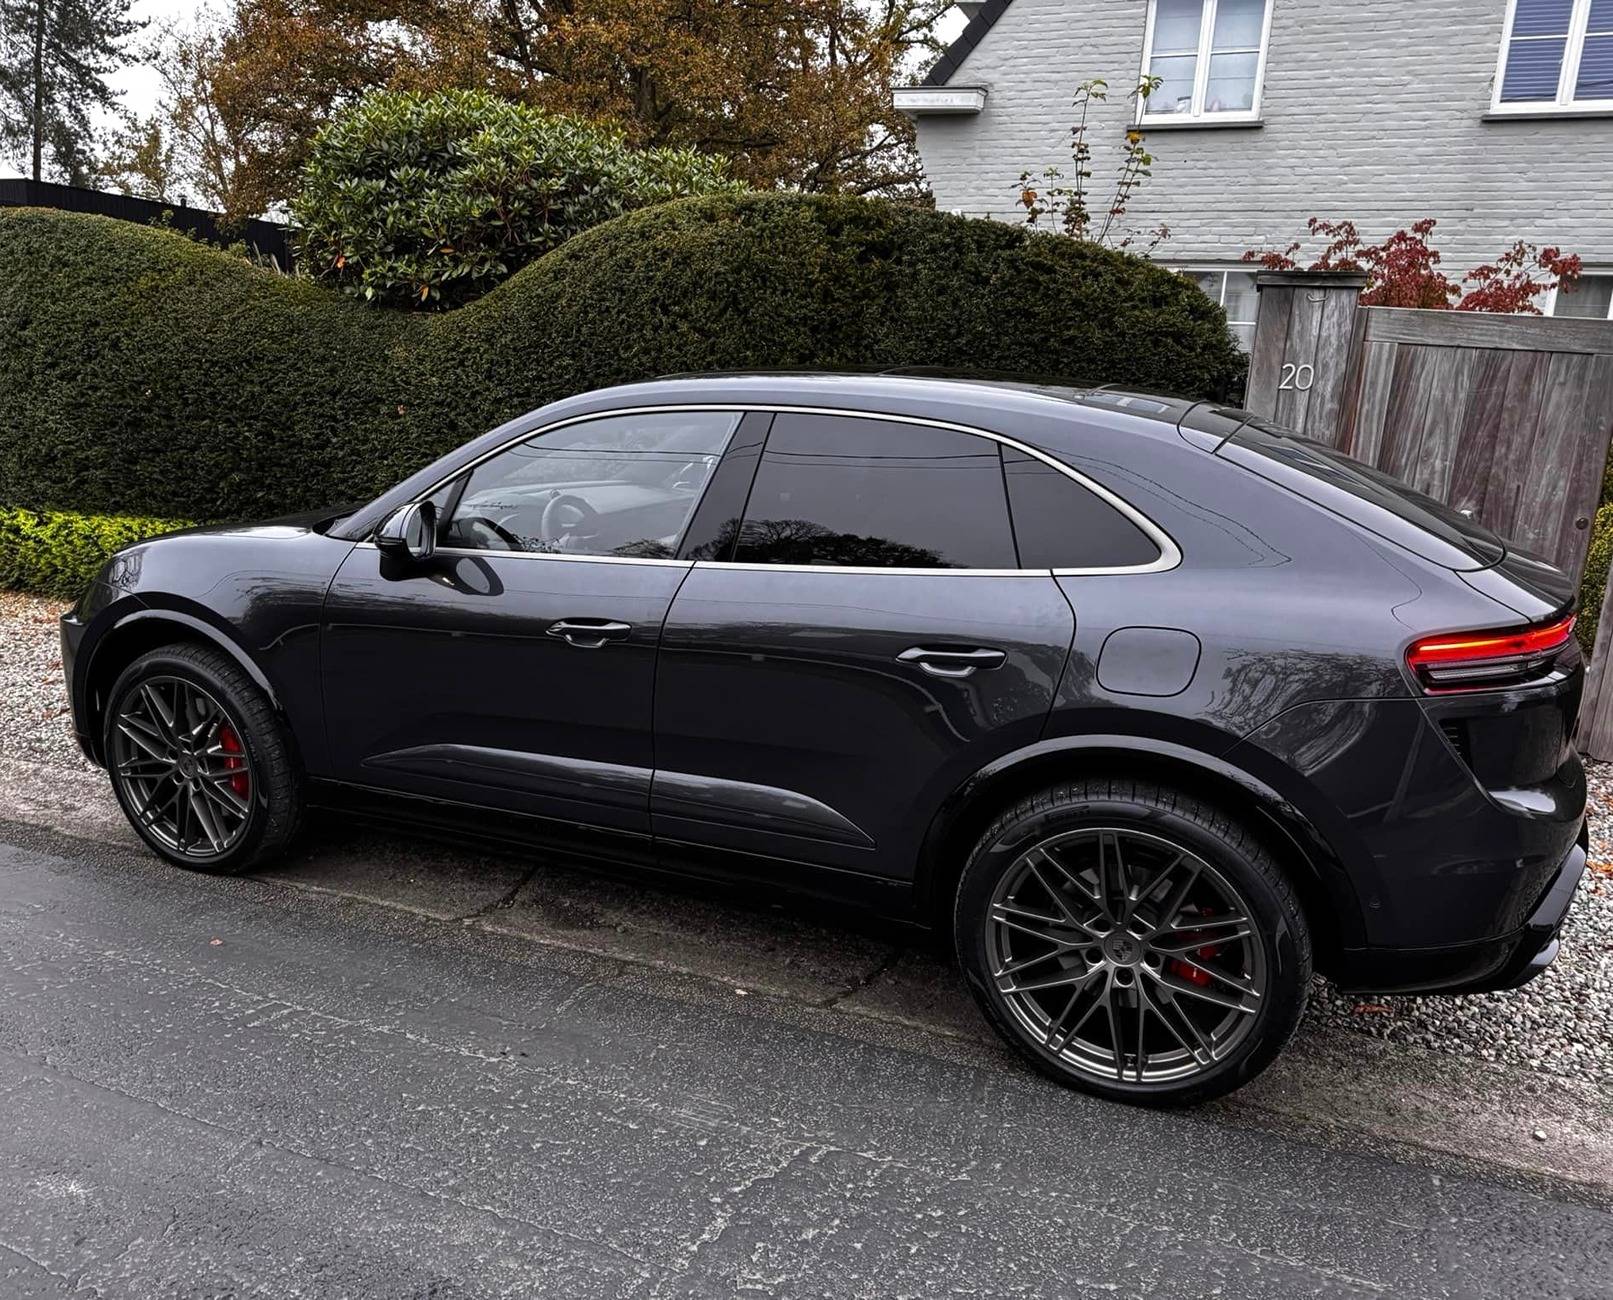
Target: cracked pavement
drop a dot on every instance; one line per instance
(388, 1070)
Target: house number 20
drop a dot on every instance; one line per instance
(1300, 378)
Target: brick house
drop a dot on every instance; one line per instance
(1493, 116)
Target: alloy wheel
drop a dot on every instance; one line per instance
(183, 769)
(1125, 955)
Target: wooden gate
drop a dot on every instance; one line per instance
(1506, 418)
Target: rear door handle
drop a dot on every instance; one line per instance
(589, 633)
(952, 663)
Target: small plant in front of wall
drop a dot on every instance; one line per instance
(1063, 202)
(1404, 270)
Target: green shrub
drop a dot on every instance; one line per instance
(1593, 582)
(56, 554)
(144, 374)
(417, 200)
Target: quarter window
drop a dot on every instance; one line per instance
(1556, 54)
(621, 485)
(1058, 524)
(1210, 58)
(870, 493)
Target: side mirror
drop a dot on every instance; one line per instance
(409, 531)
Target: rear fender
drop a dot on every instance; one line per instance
(1294, 826)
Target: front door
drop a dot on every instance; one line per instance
(515, 669)
(870, 643)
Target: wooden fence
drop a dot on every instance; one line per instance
(1506, 418)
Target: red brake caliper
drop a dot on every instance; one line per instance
(234, 760)
(1192, 974)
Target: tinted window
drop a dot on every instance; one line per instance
(838, 490)
(1325, 476)
(1060, 525)
(620, 485)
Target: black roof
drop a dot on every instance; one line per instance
(984, 20)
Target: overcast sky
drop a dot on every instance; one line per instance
(138, 83)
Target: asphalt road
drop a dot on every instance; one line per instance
(239, 1088)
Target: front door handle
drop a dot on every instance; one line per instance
(952, 663)
(589, 633)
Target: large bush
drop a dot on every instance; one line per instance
(144, 374)
(431, 200)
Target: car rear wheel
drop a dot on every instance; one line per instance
(1133, 941)
(199, 761)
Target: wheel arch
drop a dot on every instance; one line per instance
(134, 633)
(1331, 903)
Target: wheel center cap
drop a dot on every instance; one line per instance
(186, 766)
(1122, 950)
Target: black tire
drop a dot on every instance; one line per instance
(271, 790)
(1150, 822)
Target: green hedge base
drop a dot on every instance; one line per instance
(56, 553)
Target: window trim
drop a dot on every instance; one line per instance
(1224, 270)
(1567, 75)
(1201, 72)
(1170, 555)
(1596, 273)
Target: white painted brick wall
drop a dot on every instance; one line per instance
(1373, 110)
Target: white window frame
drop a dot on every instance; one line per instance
(1567, 77)
(1201, 71)
(1596, 273)
(1209, 268)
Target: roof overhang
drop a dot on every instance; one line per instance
(982, 18)
(925, 101)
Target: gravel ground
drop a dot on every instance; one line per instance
(1561, 1024)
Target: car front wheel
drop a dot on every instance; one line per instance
(199, 761)
(1133, 941)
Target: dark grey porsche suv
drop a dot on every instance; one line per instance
(1151, 706)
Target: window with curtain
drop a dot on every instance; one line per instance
(1209, 56)
(1556, 54)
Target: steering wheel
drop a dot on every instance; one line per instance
(552, 529)
(692, 475)
(498, 530)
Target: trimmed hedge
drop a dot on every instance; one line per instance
(1593, 583)
(143, 374)
(57, 554)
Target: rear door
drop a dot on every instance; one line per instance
(866, 640)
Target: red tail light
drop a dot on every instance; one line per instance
(1501, 657)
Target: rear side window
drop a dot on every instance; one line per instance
(1061, 525)
(871, 493)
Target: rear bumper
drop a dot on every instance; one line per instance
(1506, 962)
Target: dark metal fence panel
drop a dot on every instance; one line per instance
(267, 238)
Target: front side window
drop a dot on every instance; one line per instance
(1556, 54)
(1209, 56)
(870, 493)
(621, 485)
(1588, 298)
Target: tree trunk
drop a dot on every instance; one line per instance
(39, 84)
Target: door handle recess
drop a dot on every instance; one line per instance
(589, 633)
(952, 663)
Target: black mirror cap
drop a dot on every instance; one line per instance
(409, 531)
